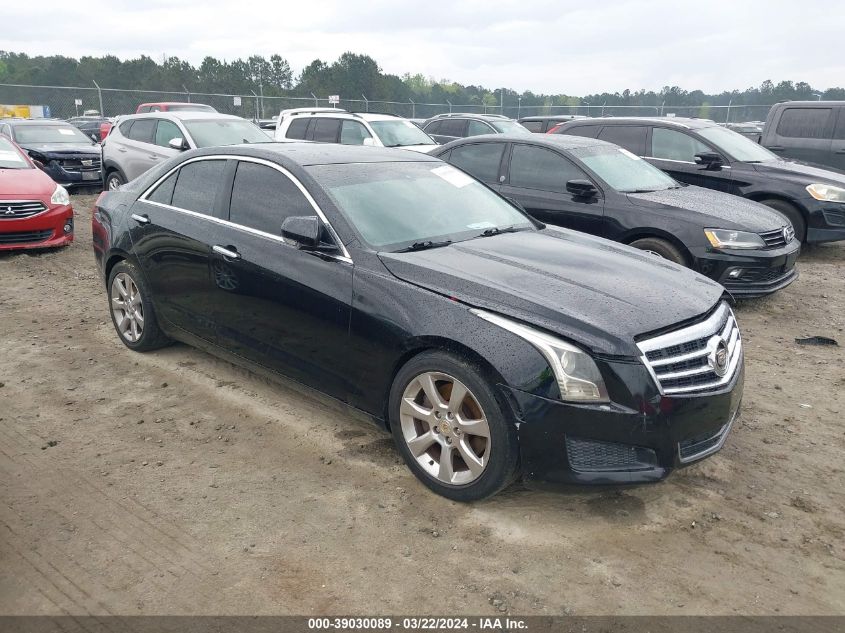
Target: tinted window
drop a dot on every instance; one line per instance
(326, 130)
(353, 133)
(452, 127)
(840, 125)
(481, 160)
(197, 186)
(263, 197)
(166, 132)
(540, 168)
(297, 128)
(804, 122)
(534, 126)
(631, 137)
(590, 131)
(164, 192)
(142, 130)
(124, 128)
(433, 127)
(477, 127)
(675, 145)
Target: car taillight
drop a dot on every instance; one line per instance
(554, 129)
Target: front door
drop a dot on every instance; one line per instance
(674, 152)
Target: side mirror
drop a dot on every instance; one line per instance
(369, 142)
(582, 188)
(709, 160)
(178, 144)
(304, 231)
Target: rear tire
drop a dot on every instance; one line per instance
(662, 248)
(131, 309)
(463, 447)
(114, 180)
(792, 213)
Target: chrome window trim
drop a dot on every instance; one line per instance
(144, 197)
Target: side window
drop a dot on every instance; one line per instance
(840, 126)
(4, 130)
(631, 137)
(533, 126)
(326, 130)
(197, 186)
(263, 197)
(125, 127)
(452, 127)
(540, 168)
(353, 133)
(588, 131)
(297, 128)
(142, 130)
(476, 128)
(482, 160)
(675, 145)
(163, 194)
(433, 127)
(804, 123)
(166, 131)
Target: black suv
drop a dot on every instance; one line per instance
(449, 127)
(811, 131)
(701, 152)
(599, 188)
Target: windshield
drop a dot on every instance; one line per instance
(10, 157)
(399, 133)
(736, 145)
(215, 132)
(509, 127)
(622, 170)
(395, 205)
(50, 134)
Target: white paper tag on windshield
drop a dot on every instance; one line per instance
(453, 176)
(10, 156)
(629, 154)
(65, 131)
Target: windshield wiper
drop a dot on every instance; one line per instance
(421, 246)
(640, 190)
(496, 230)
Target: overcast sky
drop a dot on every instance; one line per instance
(567, 47)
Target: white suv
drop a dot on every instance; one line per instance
(333, 125)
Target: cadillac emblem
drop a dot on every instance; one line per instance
(719, 358)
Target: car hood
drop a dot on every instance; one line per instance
(61, 149)
(715, 209)
(802, 173)
(592, 291)
(25, 183)
(425, 149)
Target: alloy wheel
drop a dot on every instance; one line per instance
(445, 428)
(127, 308)
(114, 183)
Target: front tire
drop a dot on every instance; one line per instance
(114, 180)
(450, 428)
(131, 309)
(662, 248)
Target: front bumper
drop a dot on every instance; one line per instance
(760, 272)
(613, 444)
(73, 179)
(825, 222)
(45, 230)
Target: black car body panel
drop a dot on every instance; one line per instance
(678, 215)
(779, 180)
(344, 324)
(809, 131)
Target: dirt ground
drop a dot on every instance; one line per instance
(176, 483)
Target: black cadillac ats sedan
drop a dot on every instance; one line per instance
(489, 345)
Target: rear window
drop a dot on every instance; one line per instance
(804, 122)
(482, 160)
(197, 186)
(297, 128)
(163, 194)
(631, 137)
(533, 126)
(588, 131)
(142, 130)
(452, 127)
(326, 130)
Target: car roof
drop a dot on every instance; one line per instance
(468, 115)
(810, 104)
(670, 120)
(306, 154)
(182, 115)
(169, 103)
(35, 122)
(344, 114)
(553, 141)
(552, 117)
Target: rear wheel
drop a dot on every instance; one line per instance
(114, 180)
(450, 429)
(792, 213)
(662, 248)
(131, 310)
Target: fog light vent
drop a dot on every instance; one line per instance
(594, 455)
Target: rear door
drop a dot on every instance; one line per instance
(174, 227)
(837, 146)
(673, 151)
(536, 177)
(481, 160)
(804, 133)
(326, 130)
(276, 305)
(138, 157)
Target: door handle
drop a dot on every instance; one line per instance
(228, 253)
(121, 149)
(141, 219)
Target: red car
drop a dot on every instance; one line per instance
(35, 212)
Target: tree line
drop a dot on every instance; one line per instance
(352, 76)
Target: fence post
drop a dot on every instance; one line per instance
(100, 93)
(366, 102)
(187, 92)
(315, 99)
(450, 106)
(728, 115)
(256, 104)
(413, 109)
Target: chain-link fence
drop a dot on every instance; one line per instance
(65, 102)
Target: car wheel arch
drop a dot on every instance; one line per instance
(759, 196)
(639, 234)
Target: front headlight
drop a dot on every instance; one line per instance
(60, 196)
(725, 238)
(577, 376)
(826, 193)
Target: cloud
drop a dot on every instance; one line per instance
(571, 47)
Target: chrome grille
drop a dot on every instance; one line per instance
(80, 164)
(16, 209)
(687, 360)
(778, 237)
